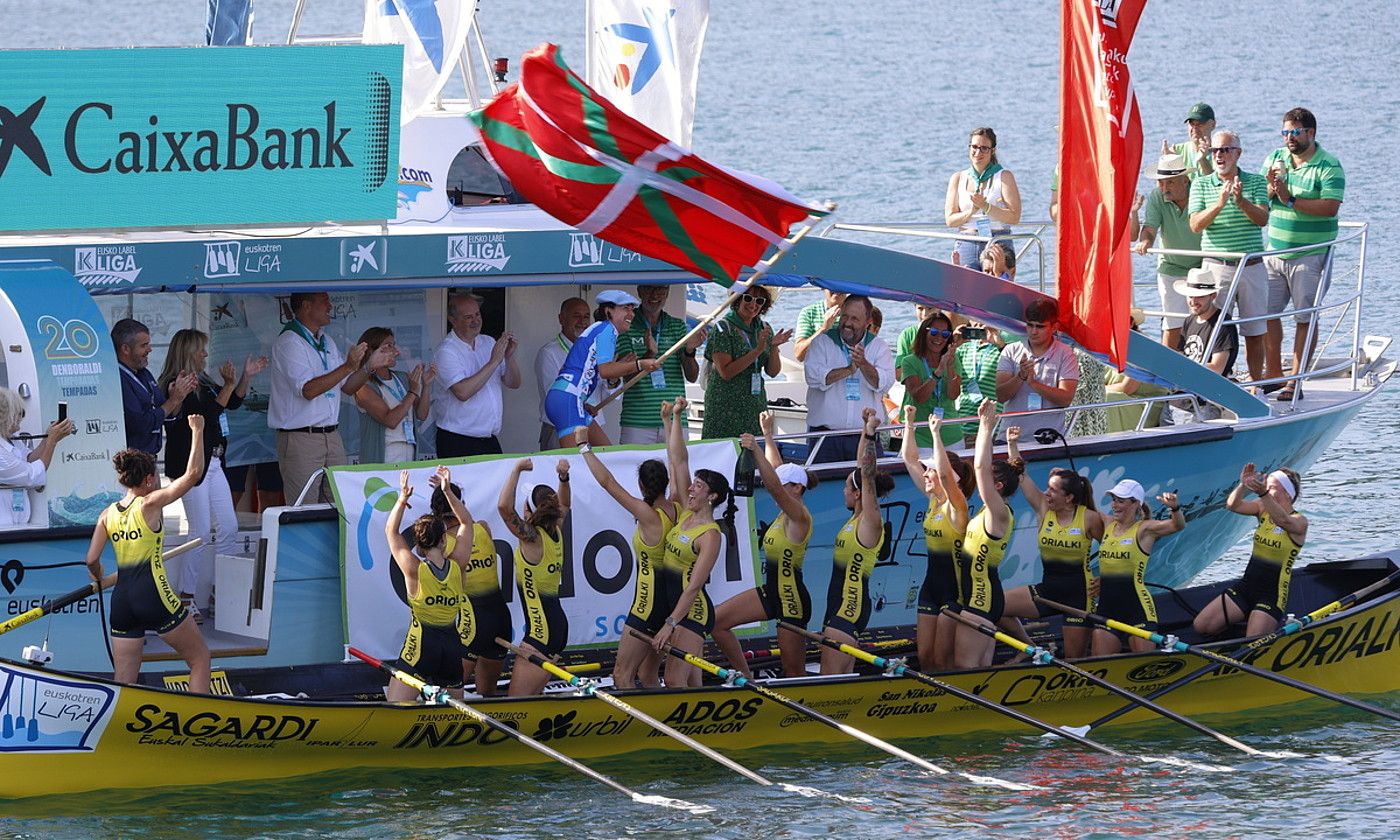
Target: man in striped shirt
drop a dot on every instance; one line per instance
(1306, 185)
(1230, 208)
(653, 332)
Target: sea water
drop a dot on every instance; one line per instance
(870, 105)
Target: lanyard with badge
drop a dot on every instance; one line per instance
(1033, 400)
(318, 344)
(400, 395)
(973, 387)
(852, 381)
(658, 376)
(150, 391)
(751, 341)
(937, 380)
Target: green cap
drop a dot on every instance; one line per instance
(1200, 112)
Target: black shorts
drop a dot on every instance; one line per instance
(1067, 588)
(556, 629)
(1262, 588)
(433, 653)
(785, 598)
(481, 622)
(940, 587)
(700, 618)
(981, 596)
(1118, 600)
(661, 607)
(846, 625)
(137, 608)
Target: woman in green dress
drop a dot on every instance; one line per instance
(741, 349)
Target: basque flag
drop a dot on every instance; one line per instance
(577, 157)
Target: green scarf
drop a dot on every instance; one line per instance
(980, 178)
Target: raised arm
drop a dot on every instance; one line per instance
(1034, 495)
(789, 504)
(644, 513)
(909, 451)
(676, 451)
(393, 529)
(462, 551)
(770, 444)
(194, 469)
(561, 471)
(947, 478)
(1151, 529)
(1249, 480)
(870, 525)
(998, 514)
(505, 504)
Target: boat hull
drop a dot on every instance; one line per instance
(65, 733)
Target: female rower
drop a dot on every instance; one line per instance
(692, 547)
(432, 577)
(143, 598)
(393, 403)
(1128, 538)
(858, 546)
(947, 482)
(656, 515)
(538, 570)
(783, 596)
(988, 534)
(1262, 594)
(1069, 527)
(930, 379)
(484, 615)
(590, 359)
(982, 200)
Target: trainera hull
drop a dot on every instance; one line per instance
(66, 733)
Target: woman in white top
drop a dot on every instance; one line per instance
(21, 471)
(393, 403)
(982, 200)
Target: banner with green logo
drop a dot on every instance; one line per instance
(199, 136)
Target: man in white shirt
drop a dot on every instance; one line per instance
(847, 371)
(303, 401)
(471, 370)
(1040, 372)
(574, 318)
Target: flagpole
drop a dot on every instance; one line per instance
(740, 287)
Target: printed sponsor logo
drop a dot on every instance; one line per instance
(1156, 671)
(476, 253)
(560, 726)
(364, 257)
(706, 717)
(48, 714)
(588, 251)
(106, 265)
(17, 132)
(233, 259)
(82, 457)
(97, 426)
(412, 184)
(167, 727)
(445, 734)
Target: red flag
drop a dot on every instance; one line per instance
(584, 162)
(1100, 154)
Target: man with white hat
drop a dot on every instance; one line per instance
(1166, 214)
(1199, 287)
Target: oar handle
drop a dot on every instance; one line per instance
(1036, 652)
(1111, 623)
(849, 650)
(540, 661)
(685, 656)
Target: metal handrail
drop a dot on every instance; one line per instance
(935, 230)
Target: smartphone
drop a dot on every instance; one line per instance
(974, 333)
(62, 411)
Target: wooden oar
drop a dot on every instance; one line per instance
(1042, 656)
(436, 694)
(590, 689)
(1289, 628)
(740, 681)
(1173, 643)
(83, 592)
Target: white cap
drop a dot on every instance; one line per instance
(1129, 489)
(791, 474)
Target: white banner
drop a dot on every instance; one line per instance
(432, 32)
(427, 147)
(599, 565)
(644, 55)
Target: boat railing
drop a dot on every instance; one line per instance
(1352, 234)
(1030, 234)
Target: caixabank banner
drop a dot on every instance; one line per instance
(188, 137)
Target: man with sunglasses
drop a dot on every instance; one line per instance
(1306, 186)
(1230, 208)
(1041, 372)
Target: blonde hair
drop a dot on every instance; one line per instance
(11, 412)
(184, 347)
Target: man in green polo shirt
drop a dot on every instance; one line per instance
(815, 319)
(653, 332)
(1200, 122)
(1166, 213)
(1305, 194)
(1230, 208)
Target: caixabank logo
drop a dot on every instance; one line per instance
(205, 138)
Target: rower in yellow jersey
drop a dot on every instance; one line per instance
(1128, 538)
(988, 534)
(143, 600)
(692, 547)
(1069, 527)
(484, 614)
(432, 576)
(783, 595)
(856, 550)
(1262, 594)
(539, 569)
(947, 481)
(656, 515)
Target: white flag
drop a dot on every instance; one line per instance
(432, 32)
(644, 55)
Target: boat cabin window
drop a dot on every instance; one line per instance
(471, 181)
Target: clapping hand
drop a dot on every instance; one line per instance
(228, 373)
(405, 488)
(356, 357)
(254, 365)
(781, 337)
